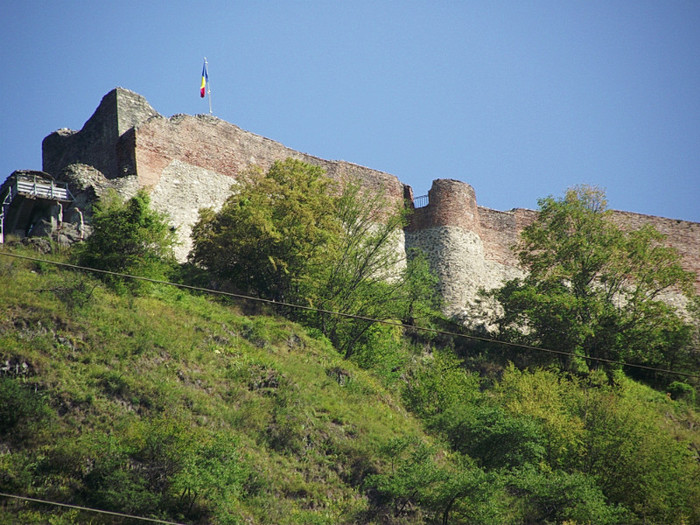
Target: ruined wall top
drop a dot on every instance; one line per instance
(132, 145)
(126, 137)
(97, 143)
(453, 203)
(210, 143)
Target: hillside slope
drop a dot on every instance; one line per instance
(175, 406)
(182, 408)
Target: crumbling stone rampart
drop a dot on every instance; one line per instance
(206, 142)
(98, 144)
(452, 219)
(191, 162)
(468, 246)
(186, 162)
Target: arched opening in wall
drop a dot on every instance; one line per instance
(41, 218)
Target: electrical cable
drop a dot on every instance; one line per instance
(88, 509)
(350, 316)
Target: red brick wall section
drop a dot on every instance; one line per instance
(216, 145)
(684, 236)
(499, 231)
(453, 203)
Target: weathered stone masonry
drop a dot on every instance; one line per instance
(186, 162)
(190, 162)
(470, 246)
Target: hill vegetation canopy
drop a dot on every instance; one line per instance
(171, 404)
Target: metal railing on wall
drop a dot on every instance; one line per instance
(421, 202)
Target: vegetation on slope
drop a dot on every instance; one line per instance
(293, 235)
(157, 402)
(177, 407)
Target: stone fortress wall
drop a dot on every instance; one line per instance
(470, 246)
(191, 162)
(186, 162)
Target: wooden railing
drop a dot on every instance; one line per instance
(40, 188)
(31, 186)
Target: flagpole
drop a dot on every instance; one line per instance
(206, 65)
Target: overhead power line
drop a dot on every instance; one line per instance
(88, 509)
(349, 316)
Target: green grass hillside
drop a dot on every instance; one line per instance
(180, 407)
(175, 406)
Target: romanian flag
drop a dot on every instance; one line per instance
(205, 79)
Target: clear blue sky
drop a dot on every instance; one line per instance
(521, 99)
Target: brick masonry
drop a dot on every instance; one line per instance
(191, 162)
(440, 228)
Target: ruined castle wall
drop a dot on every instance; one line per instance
(458, 258)
(684, 236)
(98, 142)
(466, 245)
(471, 247)
(191, 162)
(206, 142)
(186, 162)
(451, 202)
(500, 231)
(201, 142)
(184, 189)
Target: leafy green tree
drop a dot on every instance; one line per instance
(370, 277)
(413, 475)
(272, 237)
(494, 438)
(419, 484)
(129, 237)
(293, 235)
(560, 497)
(593, 289)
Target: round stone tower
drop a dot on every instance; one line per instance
(450, 203)
(448, 231)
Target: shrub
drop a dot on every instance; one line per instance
(494, 438)
(21, 408)
(128, 237)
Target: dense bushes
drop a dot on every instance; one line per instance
(169, 406)
(128, 237)
(571, 449)
(22, 409)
